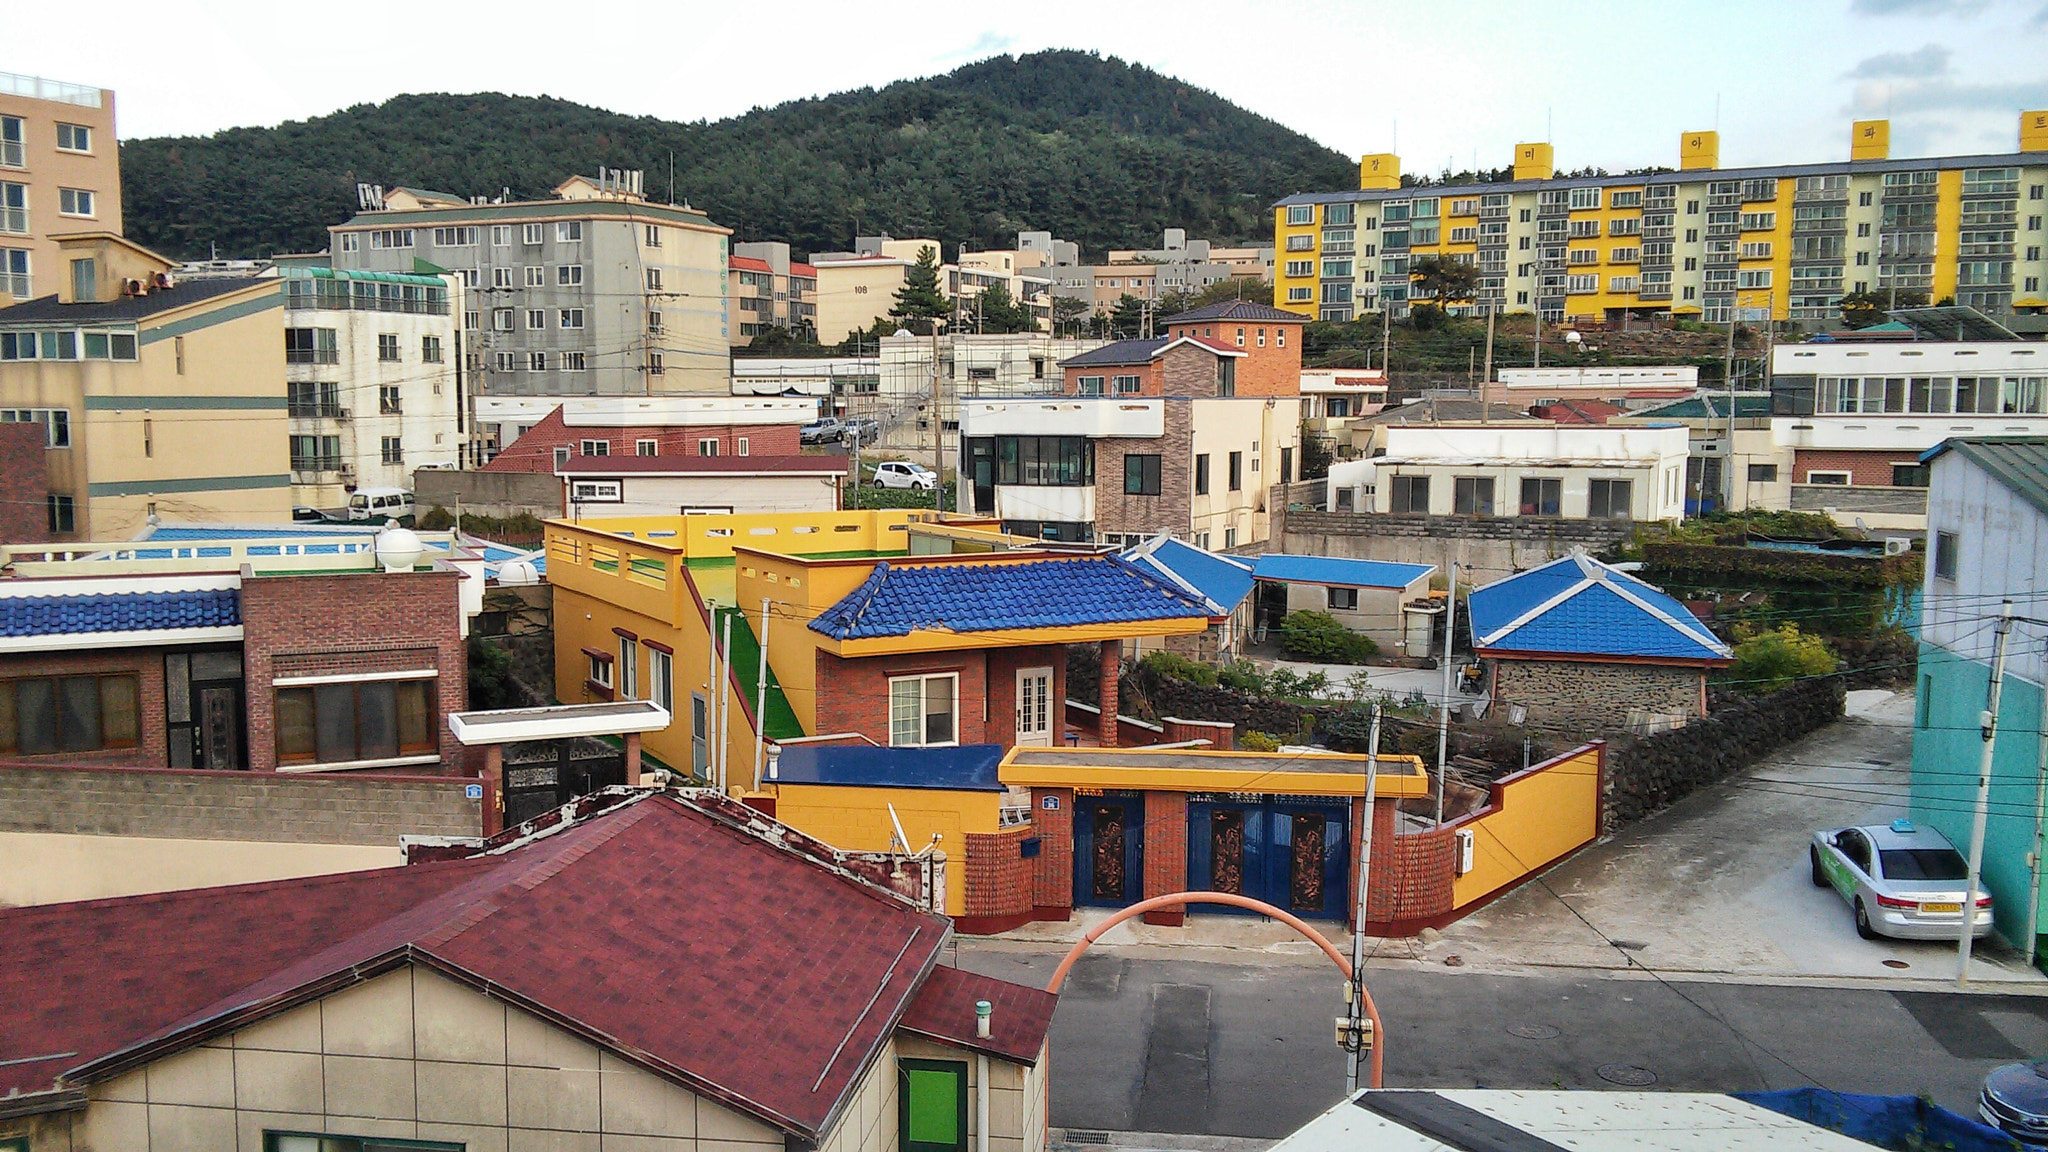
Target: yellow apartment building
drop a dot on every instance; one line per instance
(156, 397)
(60, 171)
(1787, 241)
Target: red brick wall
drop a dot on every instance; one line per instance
(535, 451)
(1002, 666)
(353, 622)
(1052, 871)
(853, 692)
(1166, 852)
(24, 512)
(999, 887)
(1150, 375)
(1412, 873)
(1222, 736)
(147, 663)
(1274, 370)
(1871, 468)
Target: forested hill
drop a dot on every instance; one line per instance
(1096, 150)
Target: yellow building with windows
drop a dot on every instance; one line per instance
(1704, 242)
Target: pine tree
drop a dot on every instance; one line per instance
(996, 313)
(919, 301)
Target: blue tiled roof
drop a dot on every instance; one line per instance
(1339, 571)
(1579, 606)
(968, 768)
(118, 612)
(1065, 593)
(1225, 581)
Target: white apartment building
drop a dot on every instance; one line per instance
(1570, 471)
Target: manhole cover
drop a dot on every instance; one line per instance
(1534, 1032)
(1626, 1075)
(1896, 964)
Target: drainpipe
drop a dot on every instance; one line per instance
(982, 1011)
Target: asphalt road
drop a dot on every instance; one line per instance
(1246, 1048)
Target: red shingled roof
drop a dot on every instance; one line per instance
(665, 931)
(797, 269)
(944, 1010)
(748, 264)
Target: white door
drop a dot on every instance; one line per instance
(1034, 707)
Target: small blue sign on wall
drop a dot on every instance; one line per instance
(1050, 803)
(473, 791)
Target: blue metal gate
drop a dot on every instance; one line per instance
(1109, 849)
(1291, 852)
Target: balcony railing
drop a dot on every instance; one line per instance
(317, 412)
(316, 463)
(312, 356)
(38, 88)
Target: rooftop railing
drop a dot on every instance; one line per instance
(39, 88)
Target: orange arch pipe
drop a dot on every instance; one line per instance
(1172, 899)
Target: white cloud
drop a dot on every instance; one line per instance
(1926, 62)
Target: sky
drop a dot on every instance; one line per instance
(1609, 84)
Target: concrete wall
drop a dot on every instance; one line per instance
(488, 493)
(858, 820)
(1496, 546)
(1533, 818)
(80, 833)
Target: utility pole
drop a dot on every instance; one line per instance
(761, 698)
(1486, 377)
(2040, 831)
(1539, 334)
(938, 429)
(1354, 992)
(1443, 723)
(1988, 725)
(1387, 339)
(724, 690)
(1728, 373)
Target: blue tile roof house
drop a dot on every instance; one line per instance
(1582, 644)
(1223, 584)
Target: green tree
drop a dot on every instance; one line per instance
(1444, 280)
(1127, 319)
(1769, 659)
(1068, 314)
(1316, 454)
(776, 340)
(996, 313)
(919, 301)
(1864, 309)
(1321, 637)
(1235, 288)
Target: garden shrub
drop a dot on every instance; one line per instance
(1769, 659)
(1320, 637)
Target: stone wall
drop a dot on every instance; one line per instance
(1651, 773)
(488, 493)
(1496, 545)
(187, 805)
(1583, 694)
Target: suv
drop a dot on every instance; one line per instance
(820, 431)
(858, 432)
(904, 474)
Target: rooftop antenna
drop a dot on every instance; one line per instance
(671, 176)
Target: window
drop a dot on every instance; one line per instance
(316, 453)
(1763, 473)
(1761, 249)
(502, 319)
(56, 423)
(1304, 242)
(1141, 475)
(387, 346)
(561, 456)
(1125, 385)
(1301, 214)
(1585, 198)
(536, 276)
(14, 277)
(504, 362)
(310, 346)
(1202, 474)
(923, 710)
(391, 238)
(1946, 549)
(569, 275)
(430, 349)
(1236, 471)
(1344, 213)
(536, 361)
(42, 715)
(570, 318)
(72, 137)
(394, 450)
(1628, 227)
(646, 447)
(356, 721)
(1909, 475)
(13, 207)
(454, 237)
(13, 151)
(1301, 268)
(654, 235)
(568, 231)
(295, 1142)
(1584, 229)
(1758, 278)
(501, 235)
(1343, 599)
(501, 277)
(1300, 295)
(1625, 200)
(1045, 461)
(1472, 496)
(1608, 499)
(1540, 496)
(598, 668)
(594, 448)
(707, 447)
(62, 512)
(74, 202)
(1226, 377)
(536, 319)
(387, 400)
(931, 1106)
(629, 668)
(653, 322)
(1411, 494)
(574, 361)
(533, 233)
(1839, 478)
(654, 279)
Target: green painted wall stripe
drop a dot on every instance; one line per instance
(218, 316)
(129, 403)
(189, 484)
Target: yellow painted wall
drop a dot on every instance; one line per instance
(1543, 814)
(1948, 226)
(1281, 280)
(857, 820)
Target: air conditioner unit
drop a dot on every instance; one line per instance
(1465, 850)
(341, 413)
(1897, 545)
(134, 286)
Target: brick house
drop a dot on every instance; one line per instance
(1581, 644)
(25, 515)
(501, 995)
(201, 650)
(558, 430)
(1183, 433)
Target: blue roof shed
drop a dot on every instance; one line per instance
(1577, 606)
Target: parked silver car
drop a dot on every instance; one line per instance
(1902, 881)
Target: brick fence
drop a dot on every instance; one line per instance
(998, 895)
(175, 804)
(1502, 543)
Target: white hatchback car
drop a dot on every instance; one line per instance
(904, 474)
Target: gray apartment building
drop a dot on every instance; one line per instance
(595, 293)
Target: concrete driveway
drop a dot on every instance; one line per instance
(1718, 885)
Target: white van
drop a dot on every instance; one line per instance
(380, 504)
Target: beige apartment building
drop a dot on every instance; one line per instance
(856, 290)
(60, 171)
(155, 397)
(767, 290)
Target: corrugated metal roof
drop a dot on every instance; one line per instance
(1339, 571)
(966, 768)
(2018, 462)
(1223, 580)
(1066, 593)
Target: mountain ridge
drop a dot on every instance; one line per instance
(1095, 150)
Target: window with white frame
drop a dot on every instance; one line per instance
(570, 318)
(1622, 283)
(455, 237)
(1625, 256)
(1585, 198)
(13, 144)
(654, 279)
(1582, 285)
(1301, 268)
(351, 241)
(661, 678)
(74, 202)
(536, 276)
(654, 235)
(568, 231)
(14, 274)
(533, 233)
(1759, 221)
(501, 235)
(1758, 278)
(536, 319)
(629, 668)
(569, 275)
(574, 361)
(1126, 385)
(501, 277)
(504, 362)
(1300, 295)
(924, 710)
(73, 137)
(1301, 213)
(707, 447)
(502, 319)
(1301, 242)
(1625, 199)
(646, 447)
(598, 666)
(1584, 229)
(1585, 256)
(1758, 249)
(740, 446)
(595, 447)
(391, 238)
(536, 361)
